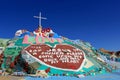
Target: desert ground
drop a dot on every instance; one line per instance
(11, 78)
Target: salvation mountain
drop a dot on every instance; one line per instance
(45, 53)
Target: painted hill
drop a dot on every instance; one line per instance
(51, 55)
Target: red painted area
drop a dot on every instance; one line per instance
(12, 65)
(61, 56)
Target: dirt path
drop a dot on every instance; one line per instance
(11, 78)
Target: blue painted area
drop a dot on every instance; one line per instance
(109, 76)
(56, 35)
(53, 78)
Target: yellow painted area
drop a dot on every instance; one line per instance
(88, 64)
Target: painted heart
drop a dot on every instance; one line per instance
(64, 57)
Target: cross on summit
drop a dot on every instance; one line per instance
(40, 18)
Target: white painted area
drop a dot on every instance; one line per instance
(1, 50)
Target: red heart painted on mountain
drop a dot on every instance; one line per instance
(64, 57)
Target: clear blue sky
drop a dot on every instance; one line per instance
(95, 21)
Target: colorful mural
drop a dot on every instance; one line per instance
(63, 57)
(44, 53)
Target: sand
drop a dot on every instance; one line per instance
(11, 78)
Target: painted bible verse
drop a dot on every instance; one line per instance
(64, 57)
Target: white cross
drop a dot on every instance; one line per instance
(40, 18)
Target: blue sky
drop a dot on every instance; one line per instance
(94, 21)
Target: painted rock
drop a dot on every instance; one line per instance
(63, 57)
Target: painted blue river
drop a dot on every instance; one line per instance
(108, 76)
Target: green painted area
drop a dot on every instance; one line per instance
(12, 51)
(3, 66)
(19, 43)
(58, 71)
